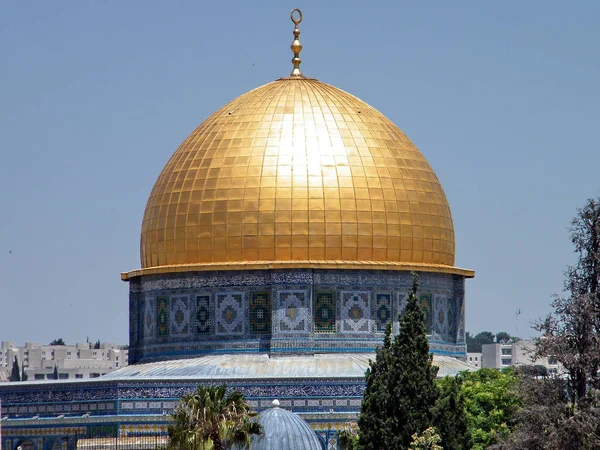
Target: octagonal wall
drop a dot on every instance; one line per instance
(286, 312)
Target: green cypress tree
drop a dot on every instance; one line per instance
(15, 374)
(55, 375)
(450, 416)
(401, 390)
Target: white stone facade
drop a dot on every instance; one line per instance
(499, 356)
(71, 361)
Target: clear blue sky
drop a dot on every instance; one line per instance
(501, 97)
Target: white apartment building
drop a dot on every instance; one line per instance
(71, 361)
(474, 359)
(499, 356)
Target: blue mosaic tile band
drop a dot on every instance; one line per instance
(186, 315)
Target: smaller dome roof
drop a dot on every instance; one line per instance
(284, 430)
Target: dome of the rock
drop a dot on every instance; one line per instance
(297, 172)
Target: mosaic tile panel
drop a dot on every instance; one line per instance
(162, 316)
(203, 320)
(440, 315)
(149, 318)
(383, 311)
(425, 301)
(260, 313)
(451, 316)
(180, 315)
(293, 312)
(399, 307)
(356, 312)
(229, 313)
(325, 312)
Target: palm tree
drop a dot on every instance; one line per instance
(209, 419)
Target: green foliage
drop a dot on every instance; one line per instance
(208, 419)
(347, 437)
(15, 374)
(427, 440)
(400, 385)
(97, 344)
(474, 343)
(503, 337)
(492, 401)
(59, 341)
(562, 413)
(23, 374)
(55, 375)
(450, 415)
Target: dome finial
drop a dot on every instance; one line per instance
(296, 45)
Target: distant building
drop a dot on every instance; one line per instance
(474, 359)
(499, 356)
(71, 361)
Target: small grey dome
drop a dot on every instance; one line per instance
(284, 430)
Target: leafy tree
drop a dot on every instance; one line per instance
(564, 413)
(474, 343)
(548, 422)
(503, 337)
(427, 440)
(347, 437)
(209, 419)
(97, 344)
(23, 374)
(55, 375)
(450, 416)
(401, 391)
(59, 341)
(491, 401)
(15, 374)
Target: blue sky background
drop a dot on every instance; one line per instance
(501, 97)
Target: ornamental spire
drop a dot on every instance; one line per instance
(296, 45)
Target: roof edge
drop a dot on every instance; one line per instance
(300, 264)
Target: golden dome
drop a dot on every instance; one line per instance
(297, 170)
(297, 173)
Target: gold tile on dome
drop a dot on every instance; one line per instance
(293, 171)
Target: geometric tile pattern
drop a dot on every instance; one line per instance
(162, 316)
(356, 312)
(229, 312)
(180, 315)
(149, 317)
(260, 313)
(325, 312)
(293, 312)
(440, 315)
(383, 311)
(203, 321)
(425, 302)
(451, 317)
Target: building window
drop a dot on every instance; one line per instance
(324, 312)
(63, 376)
(94, 375)
(507, 351)
(78, 375)
(39, 376)
(506, 361)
